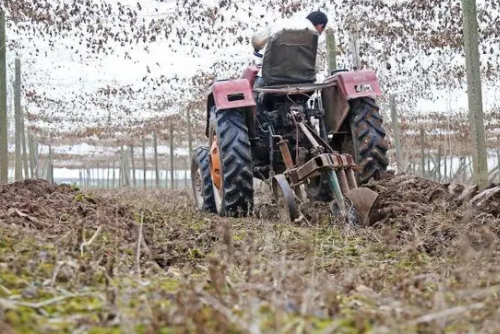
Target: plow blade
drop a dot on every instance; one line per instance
(362, 199)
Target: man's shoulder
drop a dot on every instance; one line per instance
(292, 23)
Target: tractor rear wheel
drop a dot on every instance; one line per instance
(201, 180)
(231, 162)
(368, 145)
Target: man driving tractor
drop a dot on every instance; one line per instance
(315, 22)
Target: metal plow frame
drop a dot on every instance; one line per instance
(339, 168)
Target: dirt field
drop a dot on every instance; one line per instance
(146, 262)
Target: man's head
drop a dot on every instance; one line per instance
(319, 20)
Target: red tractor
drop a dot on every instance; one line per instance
(309, 141)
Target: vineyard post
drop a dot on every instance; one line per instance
(464, 170)
(37, 158)
(166, 171)
(103, 178)
(23, 144)
(171, 131)
(43, 167)
(445, 174)
(452, 172)
(88, 177)
(122, 168)
(4, 136)
(429, 160)
(114, 173)
(461, 165)
(354, 44)
(190, 134)
(17, 116)
(132, 159)
(109, 174)
(471, 166)
(98, 178)
(186, 167)
(157, 170)
(49, 166)
(331, 50)
(474, 91)
(144, 161)
(31, 145)
(491, 174)
(82, 184)
(498, 165)
(438, 165)
(397, 132)
(422, 152)
(126, 166)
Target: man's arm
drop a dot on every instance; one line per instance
(260, 38)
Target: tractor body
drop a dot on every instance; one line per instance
(308, 140)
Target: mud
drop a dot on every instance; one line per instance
(416, 210)
(66, 217)
(425, 239)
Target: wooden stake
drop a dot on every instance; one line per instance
(4, 136)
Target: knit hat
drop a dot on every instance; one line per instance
(318, 17)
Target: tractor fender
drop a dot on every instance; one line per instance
(231, 94)
(350, 83)
(336, 98)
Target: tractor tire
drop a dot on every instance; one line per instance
(368, 143)
(234, 196)
(201, 180)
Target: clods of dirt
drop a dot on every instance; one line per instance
(415, 212)
(73, 221)
(411, 195)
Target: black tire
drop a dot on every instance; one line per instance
(236, 170)
(369, 146)
(202, 183)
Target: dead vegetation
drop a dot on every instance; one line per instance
(133, 262)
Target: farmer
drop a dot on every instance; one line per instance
(316, 20)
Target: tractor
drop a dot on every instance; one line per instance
(308, 141)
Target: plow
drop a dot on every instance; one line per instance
(308, 141)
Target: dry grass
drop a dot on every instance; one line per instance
(146, 262)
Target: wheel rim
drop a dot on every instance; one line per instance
(282, 205)
(198, 188)
(218, 199)
(215, 171)
(215, 165)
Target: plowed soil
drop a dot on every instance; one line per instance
(146, 262)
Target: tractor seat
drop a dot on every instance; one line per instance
(290, 57)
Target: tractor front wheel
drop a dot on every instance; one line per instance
(201, 180)
(231, 162)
